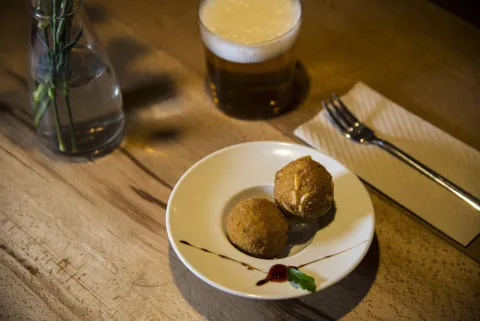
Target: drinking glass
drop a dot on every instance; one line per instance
(249, 48)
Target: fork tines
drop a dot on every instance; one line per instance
(339, 113)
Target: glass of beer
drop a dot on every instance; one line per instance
(249, 52)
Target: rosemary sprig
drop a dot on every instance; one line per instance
(58, 25)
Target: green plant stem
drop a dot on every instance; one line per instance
(54, 27)
(53, 96)
(70, 116)
(61, 144)
(63, 37)
(41, 91)
(52, 93)
(66, 90)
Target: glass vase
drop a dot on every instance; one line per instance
(75, 98)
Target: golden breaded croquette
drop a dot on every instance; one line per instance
(258, 228)
(303, 189)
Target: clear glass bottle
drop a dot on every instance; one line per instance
(75, 98)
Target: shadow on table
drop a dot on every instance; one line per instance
(329, 304)
(145, 94)
(144, 89)
(96, 12)
(140, 87)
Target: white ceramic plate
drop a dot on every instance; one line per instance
(200, 202)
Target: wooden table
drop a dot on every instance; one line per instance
(88, 240)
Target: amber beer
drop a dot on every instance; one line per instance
(249, 53)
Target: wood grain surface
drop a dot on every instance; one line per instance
(87, 240)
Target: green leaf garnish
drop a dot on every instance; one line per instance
(301, 279)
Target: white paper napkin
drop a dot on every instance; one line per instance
(438, 150)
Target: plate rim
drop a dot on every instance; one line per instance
(248, 295)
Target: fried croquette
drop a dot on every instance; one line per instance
(258, 228)
(303, 189)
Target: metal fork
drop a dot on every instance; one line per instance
(353, 129)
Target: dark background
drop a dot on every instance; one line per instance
(468, 10)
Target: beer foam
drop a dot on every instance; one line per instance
(249, 31)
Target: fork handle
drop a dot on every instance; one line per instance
(430, 173)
